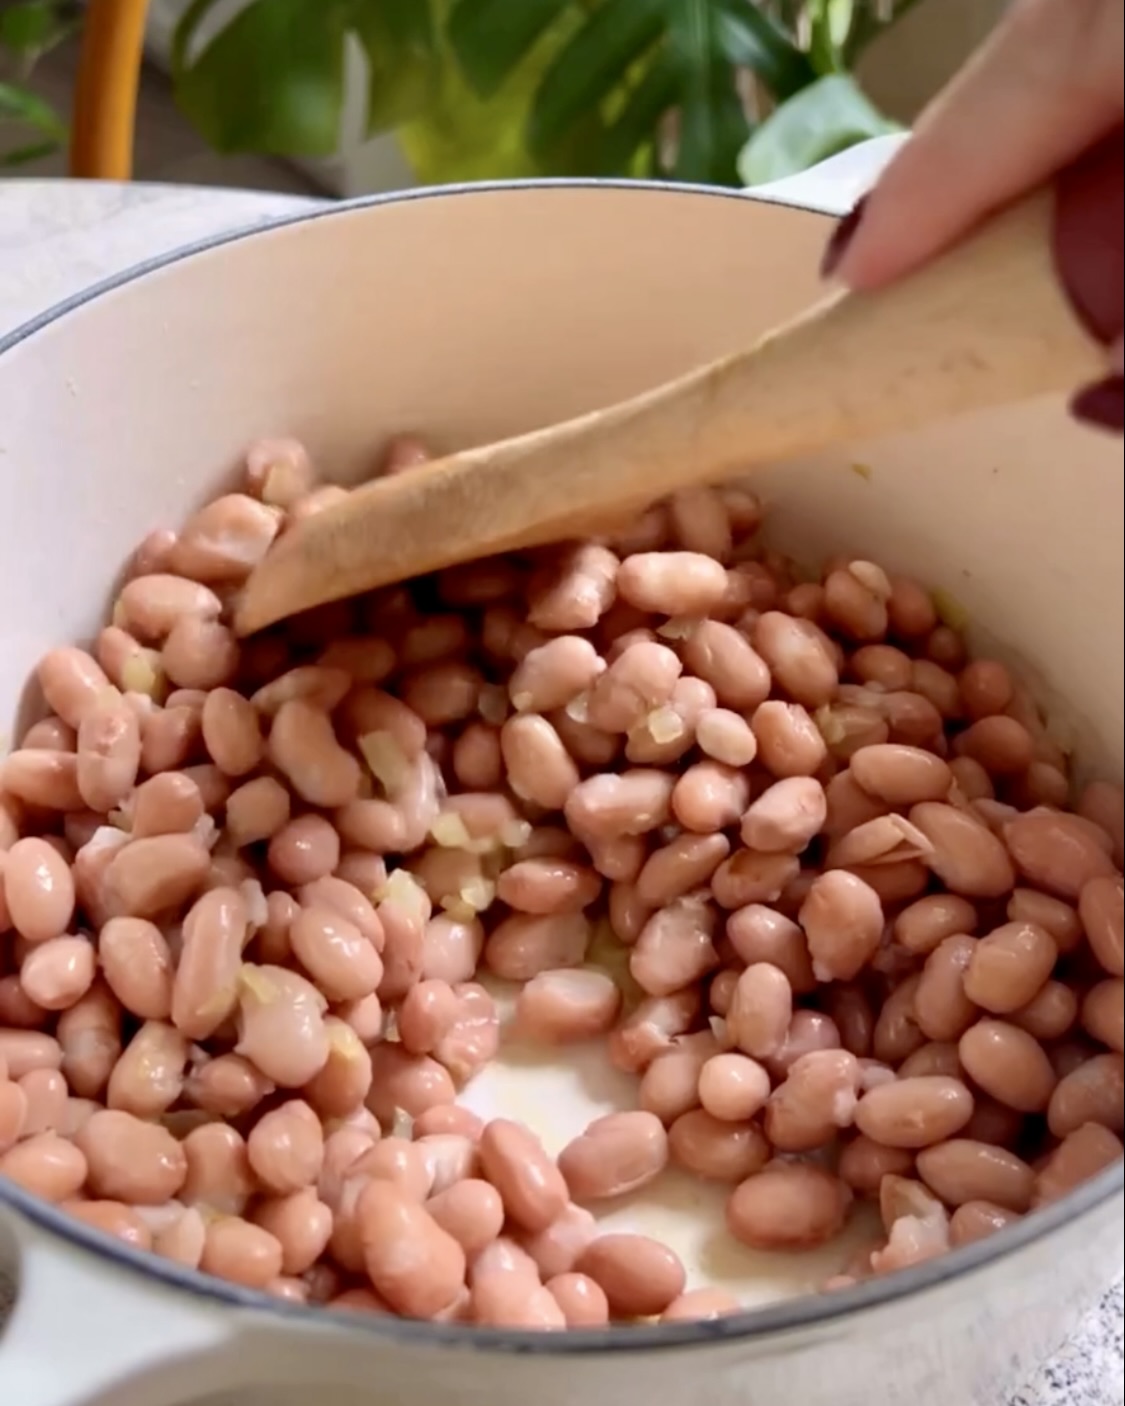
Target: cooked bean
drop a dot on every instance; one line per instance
(300, 1223)
(130, 1160)
(546, 886)
(583, 1302)
(149, 1077)
(670, 1084)
(219, 1179)
(1092, 1093)
(684, 864)
(532, 1188)
(1009, 1064)
(576, 591)
(56, 974)
(944, 1004)
(901, 776)
(927, 922)
(1102, 1012)
(1009, 966)
(761, 934)
(726, 737)
(733, 1087)
(1101, 907)
(966, 856)
(639, 1276)
(914, 1113)
(799, 658)
(281, 1024)
(724, 658)
(38, 890)
(716, 1150)
(342, 962)
(412, 1083)
(1082, 1154)
(672, 583)
(615, 1155)
(1059, 853)
(471, 1211)
(963, 1170)
(786, 816)
(1058, 918)
(789, 742)
(975, 1220)
(788, 1206)
(675, 948)
(415, 1265)
(45, 1165)
(303, 746)
(205, 989)
(816, 1099)
(554, 673)
(760, 1010)
(148, 877)
(843, 921)
(631, 803)
(245, 1254)
(561, 1007)
(90, 1035)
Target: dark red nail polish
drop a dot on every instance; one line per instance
(1089, 236)
(840, 239)
(1102, 404)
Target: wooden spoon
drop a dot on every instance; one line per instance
(986, 324)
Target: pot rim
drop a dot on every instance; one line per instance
(805, 1312)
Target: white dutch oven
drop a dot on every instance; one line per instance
(472, 314)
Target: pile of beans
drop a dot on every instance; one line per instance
(812, 875)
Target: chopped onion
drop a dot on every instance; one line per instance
(386, 759)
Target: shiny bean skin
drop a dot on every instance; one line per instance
(674, 948)
(147, 877)
(341, 961)
(548, 886)
(533, 1189)
(725, 659)
(843, 921)
(303, 746)
(281, 1024)
(1092, 1093)
(639, 1276)
(914, 1113)
(966, 856)
(38, 890)
(733, 1087)
(522, 946)
(1057, 917)
(1101, 907)
(975, 1220)
(670, 1084)
(1009, 1064)
(672, 583)
(539, 767)
(45, 1165)
(1081, 1155)
(944, 1006)
(583, 1302)
(920, 927)
(788, 1206)
(708, 797)
(130, 1160)
(1059, 853)
(242, 1253)
(632, 803)
(798, 657)
(566, 1006)
(716, 1150)
(816, 1099)
(864, 1163)
(901, 776)
(761, 934)
(963, 1170)
(205, 988)
(551, 675)
(1009, 966)
(149, 1077)
(300, 1223)
(72, 681)
(219, 1178)
(786, 816)
(761, 1009)
(286, 1148)
(504, 1300)
(56, 974)
(1102, 1013)
(112, 1218)
(45, 1104)
(415, 1265)
(471, 1211)
(616, 1154)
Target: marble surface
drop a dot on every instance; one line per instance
(57, 238)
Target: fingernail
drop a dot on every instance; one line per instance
(840, 238)
(1102, 404)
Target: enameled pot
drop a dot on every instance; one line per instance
(470, 314)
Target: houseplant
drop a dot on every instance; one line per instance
(29, 127)
(724, 91)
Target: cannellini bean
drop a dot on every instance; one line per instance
(788, 1206)
(616, 1154)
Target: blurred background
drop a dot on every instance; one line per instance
(344, 97)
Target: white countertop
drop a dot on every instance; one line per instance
(57, 238)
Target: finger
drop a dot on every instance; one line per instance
(1045, 86)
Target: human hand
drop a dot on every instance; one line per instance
(1041, 102)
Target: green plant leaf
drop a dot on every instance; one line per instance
(490, 37)
(637, 124)
(750, 39)
(591, 66)
(31, 27)
(272, 81)
(19, 106)
(713, 122)
(399, 40)
(826, 118)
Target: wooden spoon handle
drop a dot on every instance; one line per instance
(986, 324)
